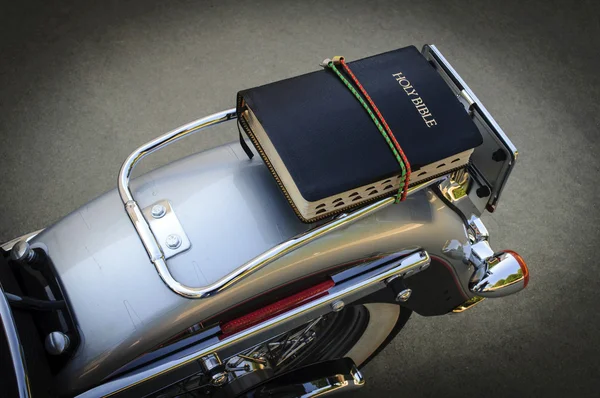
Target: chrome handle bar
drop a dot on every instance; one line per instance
(153, 248)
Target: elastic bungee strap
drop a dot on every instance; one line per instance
(377, 118)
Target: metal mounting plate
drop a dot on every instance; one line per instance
(166, 228)
(495, 158)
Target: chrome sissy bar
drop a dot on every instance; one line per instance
(153, 248)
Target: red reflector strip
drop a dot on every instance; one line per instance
(523, 266)
(276, 308)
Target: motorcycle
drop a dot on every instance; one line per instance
(197, 279)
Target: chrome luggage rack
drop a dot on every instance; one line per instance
(495, 176)
(153, 248)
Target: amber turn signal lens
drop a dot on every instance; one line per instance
(522, 264)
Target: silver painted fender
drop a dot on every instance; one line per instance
(231, 210)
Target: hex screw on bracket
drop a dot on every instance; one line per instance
(158, 211)
(173, 241)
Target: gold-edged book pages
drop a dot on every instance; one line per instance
(313, 211)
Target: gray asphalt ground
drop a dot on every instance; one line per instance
(84, 83)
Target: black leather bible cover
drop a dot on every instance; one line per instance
(327, 140)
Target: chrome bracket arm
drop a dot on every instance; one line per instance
(154, 250)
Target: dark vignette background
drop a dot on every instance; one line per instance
(83, 83)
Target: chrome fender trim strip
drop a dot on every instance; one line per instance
(345, 291)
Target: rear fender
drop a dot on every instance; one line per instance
(231, 210)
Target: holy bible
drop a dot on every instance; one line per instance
(325, 151)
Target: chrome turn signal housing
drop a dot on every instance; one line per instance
(506, 274)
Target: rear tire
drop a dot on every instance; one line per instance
(403, 317)
(383, 318)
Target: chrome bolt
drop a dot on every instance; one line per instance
(404, 295)
(173, 241)
(218, 379)
(424, 266)
(158, 211)
(22, 252)
(56, 343)
(337, 306)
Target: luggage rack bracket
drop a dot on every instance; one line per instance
(493, 161)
